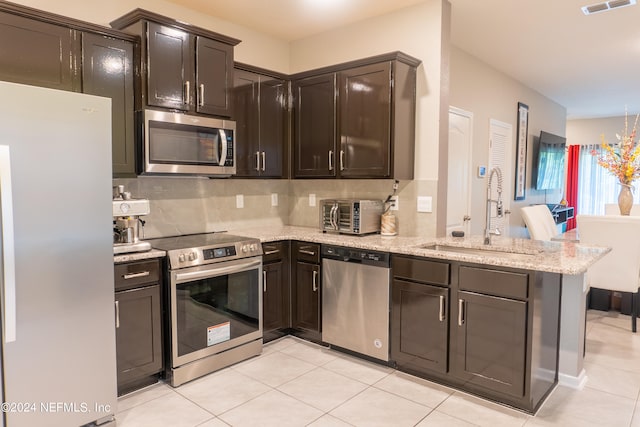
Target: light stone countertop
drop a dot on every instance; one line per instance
(554, 257)
(138, 256)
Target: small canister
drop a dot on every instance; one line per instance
(388, 224)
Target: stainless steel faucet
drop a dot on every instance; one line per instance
(499, 209)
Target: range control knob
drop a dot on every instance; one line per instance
(181, 258)
(245, 248)
(193, 256)
(254, 247)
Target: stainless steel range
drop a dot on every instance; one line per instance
(214, 302)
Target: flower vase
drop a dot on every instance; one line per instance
(625, 199)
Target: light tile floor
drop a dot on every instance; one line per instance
(295, 383)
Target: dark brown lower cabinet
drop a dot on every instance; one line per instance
(306, 291)
(138, 325)
(419, 331)
(500, 339)
(275, 296)
(491, 338)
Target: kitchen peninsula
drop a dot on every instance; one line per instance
(533, 270)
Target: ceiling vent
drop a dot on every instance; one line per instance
(607, 5)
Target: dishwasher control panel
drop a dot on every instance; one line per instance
(363, 256)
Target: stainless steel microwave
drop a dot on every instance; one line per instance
(178, 143)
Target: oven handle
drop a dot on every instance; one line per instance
(216, 271)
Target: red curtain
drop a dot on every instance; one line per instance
(572, 183)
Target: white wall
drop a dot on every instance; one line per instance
(589, 131)
(490, 94)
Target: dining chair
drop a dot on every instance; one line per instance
(619, 270)
(613, 209)
(539, 222)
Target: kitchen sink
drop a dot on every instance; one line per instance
(489, 251)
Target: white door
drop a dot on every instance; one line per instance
(459, 171)
(500, 141)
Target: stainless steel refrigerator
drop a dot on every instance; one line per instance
(58, 333)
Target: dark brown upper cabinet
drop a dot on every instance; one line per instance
(356, 120)
(37, 53)
(184, 67)
(43, 49)
(314, 130)
(107, 70)
(260, 111)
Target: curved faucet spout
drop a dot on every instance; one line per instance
(499, 207)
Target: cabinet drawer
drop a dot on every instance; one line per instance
(273, 251)
(421, 270)
(131, 274)
(494, 282)
(309, 252)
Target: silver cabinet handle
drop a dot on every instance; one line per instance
(264, 281)
(117, 314)
(341, 160)
(135, 275)
(275, 251)
(201, 97)
(264, 161)
(330, 160)
(315, 281)
(187, 90)
(460, 312)
(258, 161)
(307, 252)
(441, 313)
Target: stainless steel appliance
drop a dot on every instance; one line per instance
(178, 143)
(355, 300)
(351, 216)
(127, 224)
(214, 301)
(58, 331)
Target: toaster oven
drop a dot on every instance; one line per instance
(350, 216)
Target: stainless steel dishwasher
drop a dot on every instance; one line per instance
(355, 300)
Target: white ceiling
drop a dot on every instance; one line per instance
(589, 64)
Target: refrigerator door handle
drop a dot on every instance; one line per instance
(8, 277)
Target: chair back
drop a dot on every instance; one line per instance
(539, 222)
(619, 270)
(613, 209)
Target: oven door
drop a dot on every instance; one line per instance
(214, 308)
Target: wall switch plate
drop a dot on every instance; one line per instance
(312, 200)
(239, 201)
(274, 199)
(425, 204)
(395, 203)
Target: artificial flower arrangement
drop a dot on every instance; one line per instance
(623, 158)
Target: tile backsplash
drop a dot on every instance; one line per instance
(195, 205)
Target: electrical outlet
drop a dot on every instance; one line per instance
(312, 200)
(239, 201)
(425, 204)
(395, 203)
(274, 199)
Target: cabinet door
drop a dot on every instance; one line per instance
(365, 119)
(214, 77)
(37, 53)
(246, 114)
(419, 331)
(306, 309)
(315, 127)
(138, 334)
(490, 338)
(273, 122)
(274, 312)
(107, 70)
(169, 70)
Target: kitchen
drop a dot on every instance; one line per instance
(189, 205)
